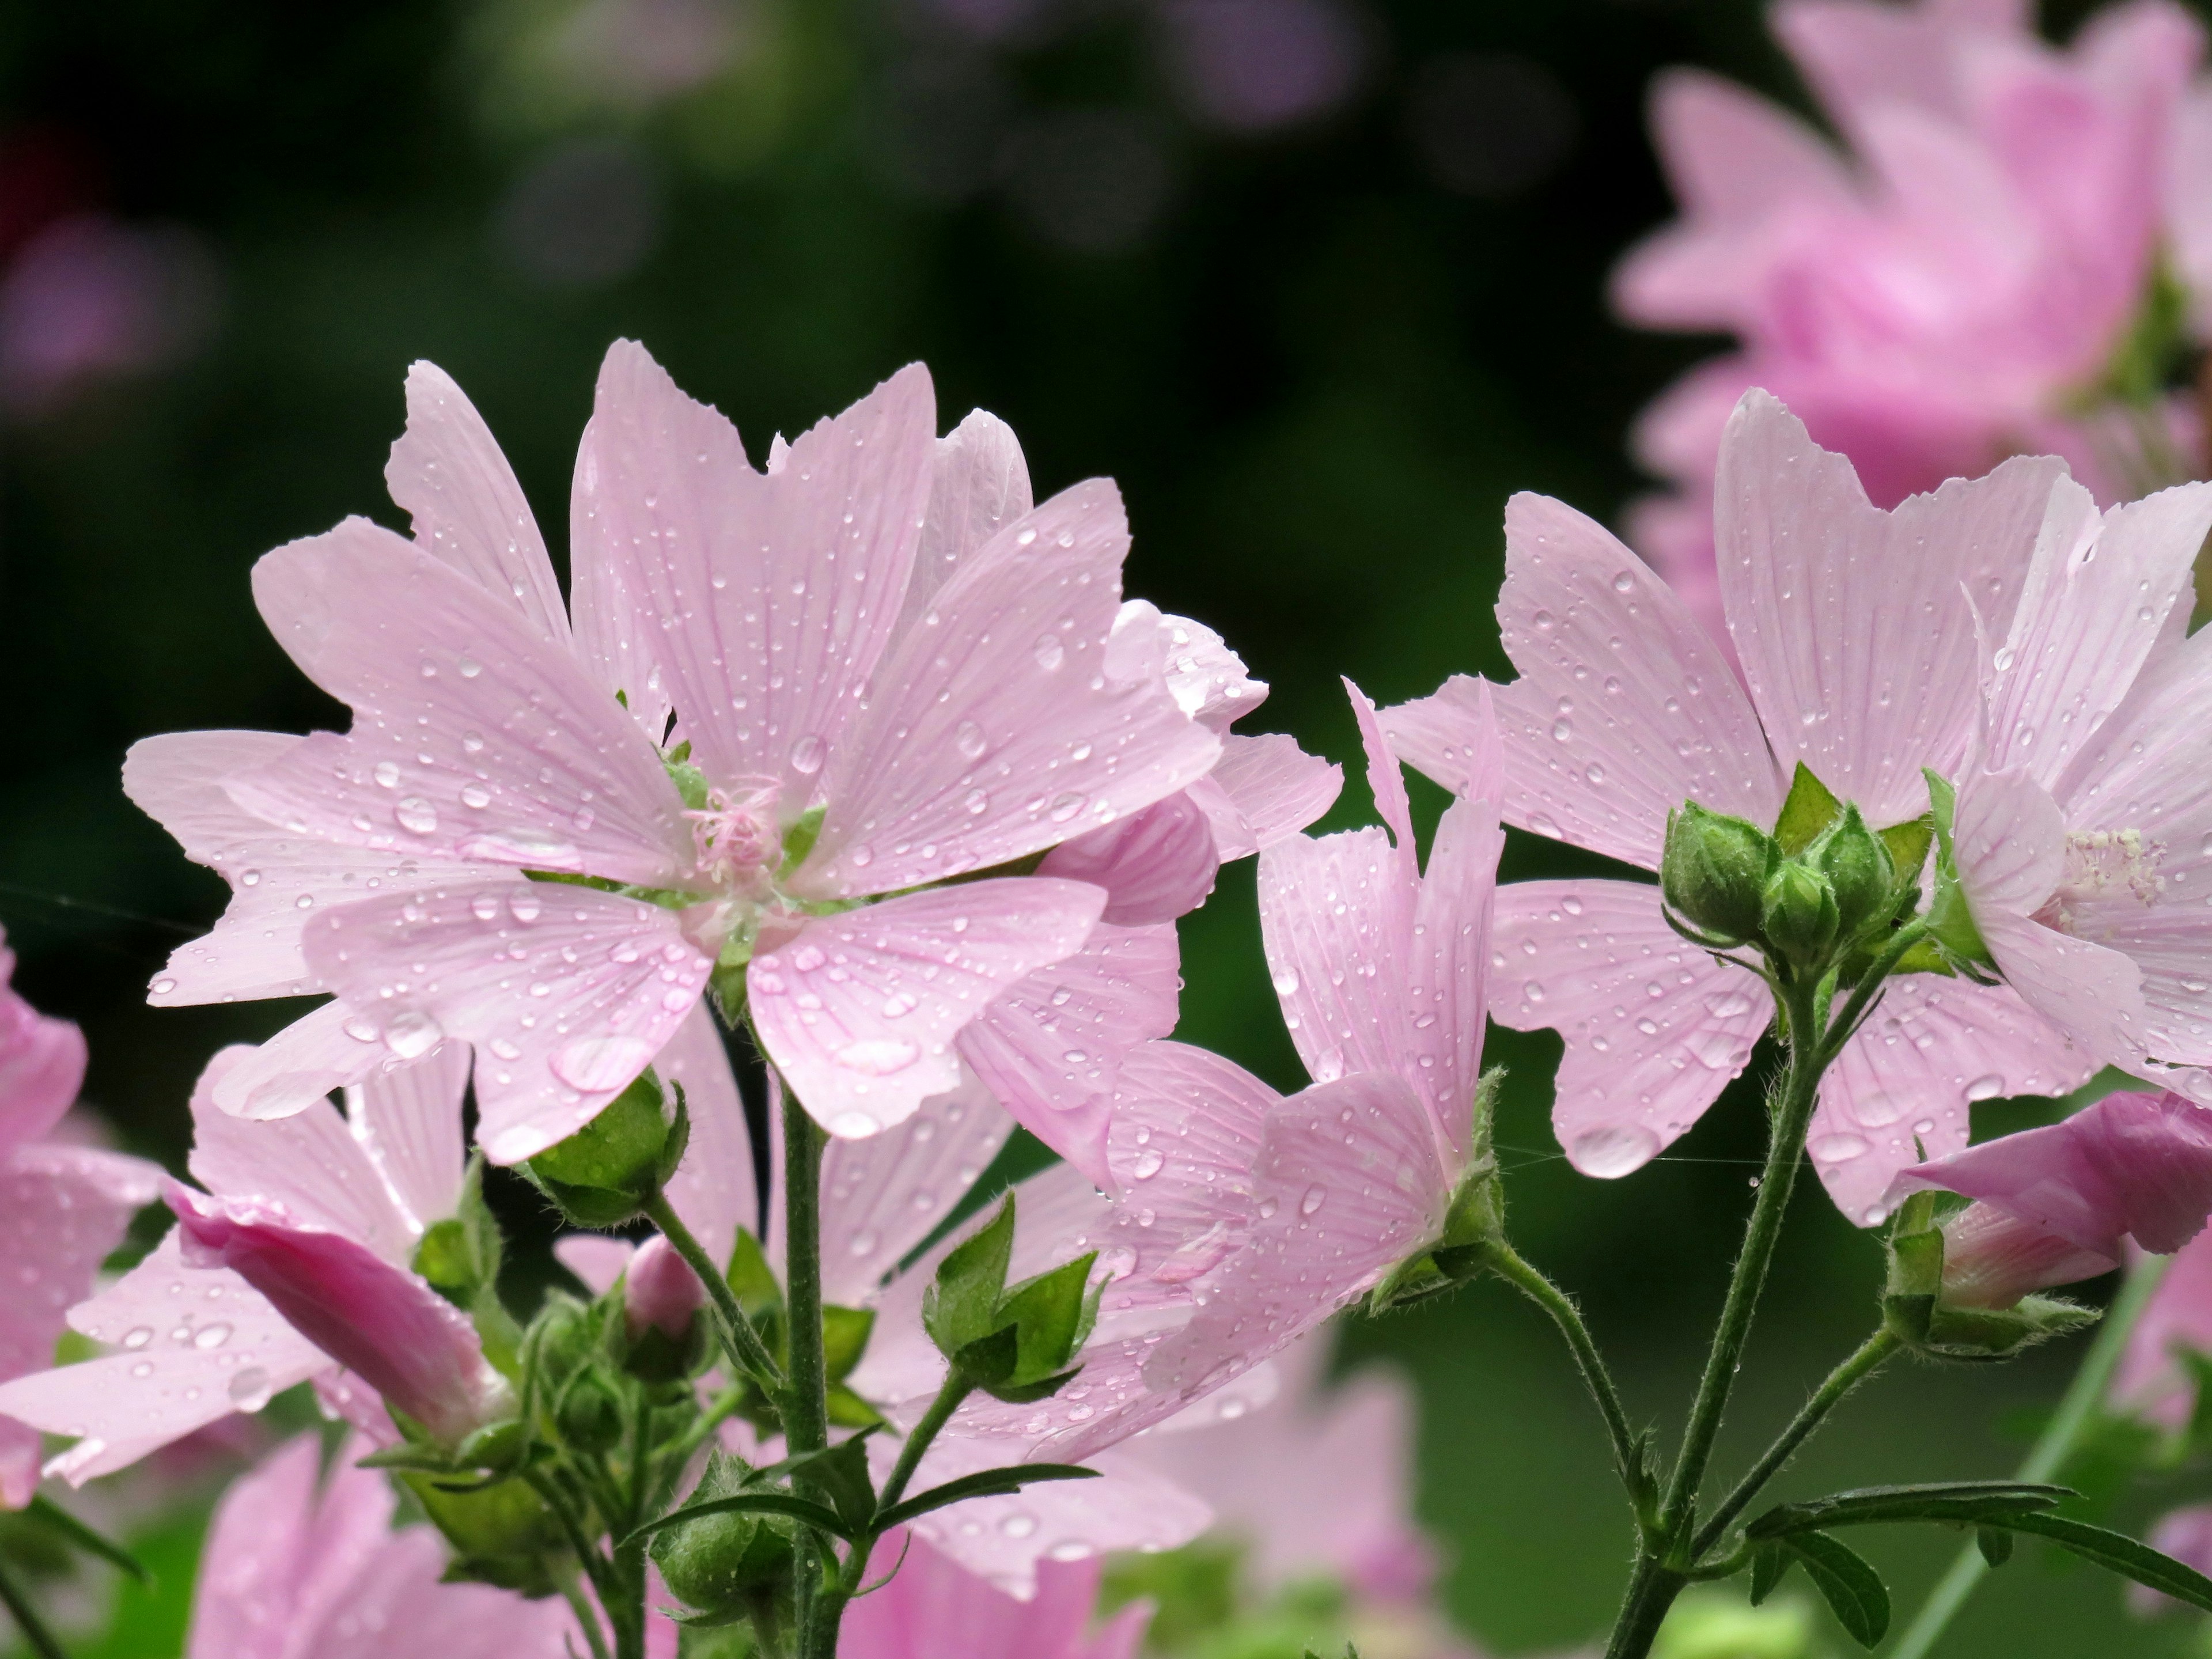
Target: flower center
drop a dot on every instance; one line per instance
(2103, 864)
(734, 836)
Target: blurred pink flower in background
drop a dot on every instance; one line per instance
(1940, 295)
(63, 1206)
(91, 297)
(935, 1608)
(2151, 1380)
(298, 1567)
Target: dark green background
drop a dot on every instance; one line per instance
(1316, 378)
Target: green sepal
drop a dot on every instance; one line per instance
(842, 1475)
(1994, 1543)
(1950, 919)
(601, 1176)
(1769, 1565)
(1855, 863)
(726, 985)
(1799, 918)
(690, 782)
(1052, 1314)
(962, 1304)
(849, 1411)
(1712, 869)
(1847, 1582)
(1810, 807)
(1908, 843)
(589, 1412)
(799, 836)
(503, 1534)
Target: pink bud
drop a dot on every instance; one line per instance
(41, 1064)
(380, 1321)
(2059, 1203)
(660, 1291)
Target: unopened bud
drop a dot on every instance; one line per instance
(661, 1299)
(1714, 871)
(719, 1562)
(602, 1175)
(589, 1416)
(1799, 917)
(1859, 872)
(1962, 1289)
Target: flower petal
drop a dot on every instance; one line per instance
(1448, 983)
(1003, 727)
(1655, 1028)
(1157, 864)
(765, 599)
(1184, 1137)
(1336, 918)
(2091, 995)
(2010, 842)
(1263, 789)
(408, 1120)
(858, 1010)
(42, 1063)
(1624, 708)
(567, 994)
(713, 1188)
(979, 483)
(1051, 1048)
(473, 738)
(1855, 628)
(297, 1068)
(1933, 1047)
(447, 470)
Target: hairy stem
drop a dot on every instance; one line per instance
(740, 1343)
(805, 1392)
(1516, 1270)
(587, 1614)
(2052, 1448)
(949, 1399)
(1869, 1358)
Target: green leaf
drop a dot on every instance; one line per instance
(844, 1332)
(989, 1361)
(799, 840)
(1852, 1588)
(1994, 1544)
(848, 1410)
(1769, 1565)
(841, 1473)
(2117, 1552)
(41, 1640)
(58, 1520)
(751, 1279)
(1049, 1313)
(1811, 807)
(963, 1304)
(1953, 1501)
(760, 1503)
(984, 1483)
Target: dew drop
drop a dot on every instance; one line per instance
(807, 755)
(1049, 653)
(1613, 1150)
(249, 1390)
(416, 815)
(411, 1033)
(386, 774)
(968, 739)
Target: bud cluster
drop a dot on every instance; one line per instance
(1822, 891)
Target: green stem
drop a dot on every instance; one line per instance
(805, 1392)
(1517, 1270)
(740, 1342)
(1664, 1559)
(1840, 1382)
(587, 1615)
(43, 1642)
(2051, 1450)
(949, 1399)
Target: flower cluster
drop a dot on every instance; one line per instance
(859, 766)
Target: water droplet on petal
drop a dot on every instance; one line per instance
(1613, 1150)
(416, 815)
(411, 1033)
(807, 755)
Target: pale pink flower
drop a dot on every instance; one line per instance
(935, 1608)
(879, 634)
(190, 1344)
(90, 298)
(290, 1571)
(1930, 302)
(2060, 1204)
(2186, 1536)
(1856, 630)
(660, 1291)
(62, 1207)
(2178, 1319)
(2083, 822)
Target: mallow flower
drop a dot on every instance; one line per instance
(1965, 282)
(2152, 1380)
(2083, 828)
(66, 1207)
(933, 1607)
(1856, 630)
(321, 1205)
(299, 1567)
(2064, 1203)
(785, 706)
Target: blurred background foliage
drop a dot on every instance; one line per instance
(1319, 282)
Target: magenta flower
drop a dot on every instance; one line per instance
(65, 1206)
(2081, 844)
(935, 1608)
(1856, 629)
(1932, 301)
(289, 1572)
(889, 671)
(2057, 1204)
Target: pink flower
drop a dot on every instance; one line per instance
(1856, 630)
(2081, 832)
(1930, 302)
(2057, 1204)
(289, 1572)
(90, 297)
(881, 658)
(935, 1608)
(659, 1292)
(2186, 1536)
(64, 1205)
(2177, 1319)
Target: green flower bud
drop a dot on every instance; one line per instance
(561, 1341)
(1714, 870)
(720, 1563)
(602, 1175)
(590, 1414)
(1859, 872)
(1799, 917)
(501, 1534)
